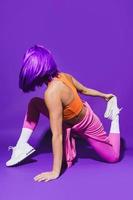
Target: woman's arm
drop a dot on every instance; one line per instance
(88, 91)
(92, 92)
(54, 104)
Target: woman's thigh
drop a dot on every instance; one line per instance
(37, 105)
(93, 129)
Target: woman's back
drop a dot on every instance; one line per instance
(71, 101)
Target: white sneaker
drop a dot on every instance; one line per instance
(112, 109)
(19, 153)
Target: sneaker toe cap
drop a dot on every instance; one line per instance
(8, 163)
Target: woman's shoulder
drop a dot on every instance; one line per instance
(55, 85)
(67, 75)
(53, 90)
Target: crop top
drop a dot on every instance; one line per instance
(75, 106)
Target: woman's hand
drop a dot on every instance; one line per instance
(46, 176)
(107, 97)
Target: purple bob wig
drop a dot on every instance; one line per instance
(38, 67)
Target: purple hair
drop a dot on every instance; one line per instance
(38, 67)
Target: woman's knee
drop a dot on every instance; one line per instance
(34, 101)
(114, 158)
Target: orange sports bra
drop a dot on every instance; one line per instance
(75, 106)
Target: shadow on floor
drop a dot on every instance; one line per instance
(84, 150)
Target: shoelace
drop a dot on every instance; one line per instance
(10, 147)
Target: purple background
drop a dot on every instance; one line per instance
(93, 41)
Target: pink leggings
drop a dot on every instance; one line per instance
(90, 128)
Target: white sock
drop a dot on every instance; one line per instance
(24, 137)
(115, 125)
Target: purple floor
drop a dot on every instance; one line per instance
(88, 178)
(93, 41)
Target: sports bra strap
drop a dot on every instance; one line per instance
(67, 82)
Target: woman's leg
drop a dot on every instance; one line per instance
(109, 150)
(92, 130)
(35, 107)
(23, 149)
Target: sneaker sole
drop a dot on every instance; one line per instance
(22, 158)
(116, 112)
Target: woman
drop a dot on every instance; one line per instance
(67, 112)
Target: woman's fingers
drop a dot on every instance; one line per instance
(37, 177)
(47, 180)
(46, 176)
(42, 177)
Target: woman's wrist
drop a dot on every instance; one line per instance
(102, 95)
(107, 97)
(56, 173)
